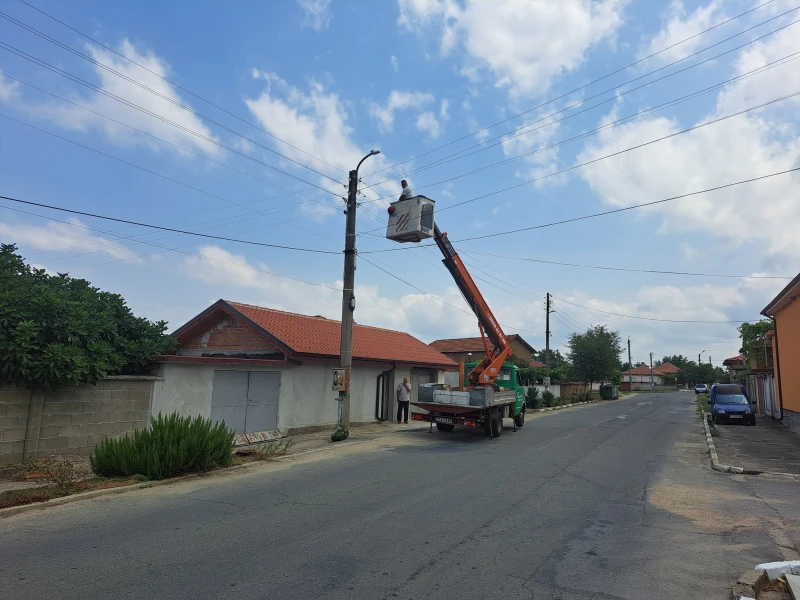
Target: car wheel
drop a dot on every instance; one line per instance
(497, 426)
(519, 420)
(445, 427)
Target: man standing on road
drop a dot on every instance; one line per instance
(403, 391)
(406, 193)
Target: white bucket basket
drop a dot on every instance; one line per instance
(411, 220)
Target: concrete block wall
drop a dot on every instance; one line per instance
(73, 420)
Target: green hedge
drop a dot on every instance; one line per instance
(172, 445)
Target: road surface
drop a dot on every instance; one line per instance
(610, 500)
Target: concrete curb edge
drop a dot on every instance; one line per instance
(712, 450)
(15, 510)
(717, 466)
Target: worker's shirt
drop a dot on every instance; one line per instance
(406, 193)
(402, 393)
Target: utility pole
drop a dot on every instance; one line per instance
(630, 365)
(547, 345)
(348, 294)
(651, 371)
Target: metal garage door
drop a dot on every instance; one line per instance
(246, 401)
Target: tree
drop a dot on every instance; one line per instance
(57, 331)
(595, 354)
(751, 334)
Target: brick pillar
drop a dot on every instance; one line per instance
(34, 424)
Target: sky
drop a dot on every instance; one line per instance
(242, 120)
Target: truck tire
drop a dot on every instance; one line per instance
(487, 428)
(519, 420)
(497, 426)
(445, 427)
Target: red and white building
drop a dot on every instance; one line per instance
(261, 369)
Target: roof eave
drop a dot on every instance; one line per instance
(768, 310)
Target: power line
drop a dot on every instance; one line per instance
(604, 213)
(563, 264)
(150, 226)
(99, 90)
(550, 101)
(188, 91)
(179, 250)
(674, 102)
(156, 93)
(645, 318)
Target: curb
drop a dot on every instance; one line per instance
(717, 466)
(15, 510)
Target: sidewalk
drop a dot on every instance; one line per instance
(768, 447)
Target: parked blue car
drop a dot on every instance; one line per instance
(729, 403)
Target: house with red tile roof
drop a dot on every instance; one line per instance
(640, 377)
(471, 348)
(261, 369)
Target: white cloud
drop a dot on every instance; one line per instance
(71, 117)
(427, 122)
(419, 314)
(543, 162)
(764, 213)
(8, 88)
(398, 100)
(61, 237)
(393, 60)
(315, 121)
(680, 26)
(316, 13)
(443, 114)
(514, 39)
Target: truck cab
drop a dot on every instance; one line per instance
(509, 379)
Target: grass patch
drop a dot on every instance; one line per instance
(702, 402)
(266, 451)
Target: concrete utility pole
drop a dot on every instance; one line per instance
(348, 295)
(630, 365)
(547, 345)
(651, 371)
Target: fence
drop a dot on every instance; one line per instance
(35, 423)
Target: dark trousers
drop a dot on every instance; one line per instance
(402, 408)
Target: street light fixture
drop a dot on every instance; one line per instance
(348, 294)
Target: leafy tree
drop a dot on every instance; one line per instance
(751, 334)
(556, 359)
(595, 354)
(57, 331)
(678, 360)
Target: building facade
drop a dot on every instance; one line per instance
(260, 369)
(784, 310)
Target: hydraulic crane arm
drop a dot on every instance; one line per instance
(495, 341)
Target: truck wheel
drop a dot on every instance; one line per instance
(445, 427)
(497, 426)
(519, 420)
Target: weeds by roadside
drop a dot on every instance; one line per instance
(267, 451)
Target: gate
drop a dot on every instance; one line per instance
(767, 385)
(246, 400)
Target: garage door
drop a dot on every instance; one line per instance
(246, 400)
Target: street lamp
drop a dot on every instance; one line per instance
(348, 294)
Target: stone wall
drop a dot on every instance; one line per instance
(71, 420)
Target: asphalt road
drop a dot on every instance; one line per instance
(611, 500)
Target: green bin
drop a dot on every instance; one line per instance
(608, 391)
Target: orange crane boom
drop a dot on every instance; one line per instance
(495, 341)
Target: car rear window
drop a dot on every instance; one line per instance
(728, 388)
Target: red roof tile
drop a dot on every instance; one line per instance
(666, 368)
(734, 361)
(306, 335)
(641, 371)
(471, 344)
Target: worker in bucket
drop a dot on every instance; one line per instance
(403, 397)
(406, 193)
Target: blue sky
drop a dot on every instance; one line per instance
(307, 87)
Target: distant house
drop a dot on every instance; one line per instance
(785, 311)
(640, 378)
(735, 366)
(261, 369)
(471, 348)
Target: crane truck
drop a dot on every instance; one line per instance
(492, 390)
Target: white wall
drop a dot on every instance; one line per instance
(306, 398)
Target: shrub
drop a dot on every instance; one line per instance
(340, 435)
(59, 472)
(533, 399)
(172, 445)
(548, 399)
